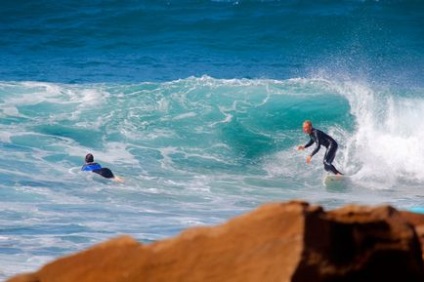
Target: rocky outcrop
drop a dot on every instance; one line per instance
(291, 241)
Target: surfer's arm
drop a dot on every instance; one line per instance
(303, 147)
(315, 150)
(317, 142)
(308, 159)
(311, 141)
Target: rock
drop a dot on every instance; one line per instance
(291, 241)
(417, 221)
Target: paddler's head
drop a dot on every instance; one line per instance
(89, 158)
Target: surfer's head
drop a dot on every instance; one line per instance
(89, 158)
(307, 126)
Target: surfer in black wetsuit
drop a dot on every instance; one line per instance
(320, 138)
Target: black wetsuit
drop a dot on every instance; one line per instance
(320, 138)
(96, 168)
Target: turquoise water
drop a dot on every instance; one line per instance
(198, 105)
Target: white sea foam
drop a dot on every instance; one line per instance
(386, 144)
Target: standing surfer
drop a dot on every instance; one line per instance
(320, 138)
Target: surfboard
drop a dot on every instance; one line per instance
(336, 182)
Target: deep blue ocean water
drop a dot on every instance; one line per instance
(198, 105)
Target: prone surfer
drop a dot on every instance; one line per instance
(320, 138)
(90, 165)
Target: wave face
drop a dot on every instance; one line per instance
(198, 105)
(193, 151)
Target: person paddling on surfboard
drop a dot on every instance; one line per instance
(90, 165)
(320, 138)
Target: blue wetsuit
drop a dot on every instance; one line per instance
(320, 138)
(91, 167)
(97, 168)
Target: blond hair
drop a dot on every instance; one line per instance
(308, 122)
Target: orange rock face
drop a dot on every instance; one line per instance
(277, 242)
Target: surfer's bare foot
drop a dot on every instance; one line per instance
(118, 179)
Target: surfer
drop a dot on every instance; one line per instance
(320, 138)
(90, 165)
